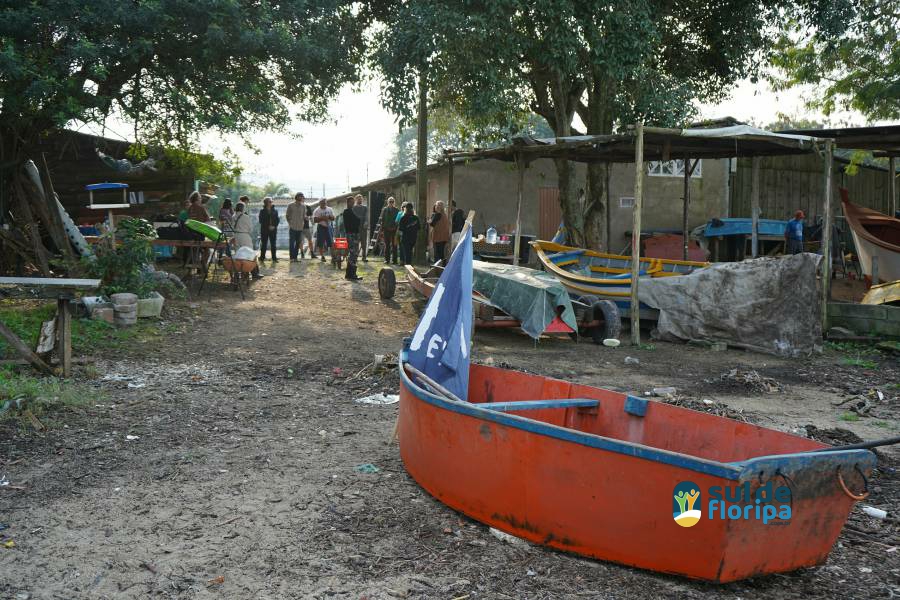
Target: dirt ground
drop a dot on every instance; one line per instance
(230, 461)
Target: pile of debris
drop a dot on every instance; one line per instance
(747, 379)
(709, 406)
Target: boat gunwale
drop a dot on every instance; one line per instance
(733, 471)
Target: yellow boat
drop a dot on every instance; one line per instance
(605, 276)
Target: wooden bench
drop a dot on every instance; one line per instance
(61, 290)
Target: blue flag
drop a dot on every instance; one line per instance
(440, 343)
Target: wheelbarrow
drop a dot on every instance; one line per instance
(339, 251)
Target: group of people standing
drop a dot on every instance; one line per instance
(400, 228)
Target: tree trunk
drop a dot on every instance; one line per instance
(599, 122)
(564, 96)
(595, 213)
(572, 213)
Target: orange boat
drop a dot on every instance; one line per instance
(615, 477)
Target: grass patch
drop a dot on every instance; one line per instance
(859, 362)
(24, 317)
(853, 348)
(849, 416)
(882, 424)
(20, 393)
(647, 346)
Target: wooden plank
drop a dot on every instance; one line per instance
(826, 234)
(520, 165)
(47, 339)
(51, 282)
(754, 208)
(64, 331)
(539, 404)
(19, 346)
(636, 233)
(892, 186)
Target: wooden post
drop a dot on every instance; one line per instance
(64, 331)
(892, 185)
(450, 183)
(520, 167)
(754, 208)
(422, 166)
(826, 234)
(636, 233)
(607, 216)
(13, 340)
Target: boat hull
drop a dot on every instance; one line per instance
(541, 479)
(874, 235)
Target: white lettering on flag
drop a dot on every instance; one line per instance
(436, 343)
(430, 313)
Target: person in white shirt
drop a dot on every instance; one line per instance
(323, 216)
(243, 228)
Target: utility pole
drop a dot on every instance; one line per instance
(422, 166)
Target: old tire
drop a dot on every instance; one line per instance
(387, 283)
(610, 326)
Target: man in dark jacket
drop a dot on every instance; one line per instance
(268, 228)
(352, 225)
(457, 221)
(409, 233)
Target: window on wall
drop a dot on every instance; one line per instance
(672, 168)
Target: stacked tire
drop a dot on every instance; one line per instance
(124, 309)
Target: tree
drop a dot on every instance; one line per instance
(171, 68)
(610, 63)
(851, 60)
(275, 189)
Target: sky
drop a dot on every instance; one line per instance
(353, 148)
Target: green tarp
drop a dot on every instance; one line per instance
(528, 295)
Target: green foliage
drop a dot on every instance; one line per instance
(610, 63)
(854, 348)
(174, 68)
(850, 59)
(120, 262)
(860, 362)
(849, 417)
(275, 189)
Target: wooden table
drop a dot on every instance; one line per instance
(63, 291)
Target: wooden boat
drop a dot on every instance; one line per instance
(487, 314)
(605, 276)
(875, 235)
(595, 472)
